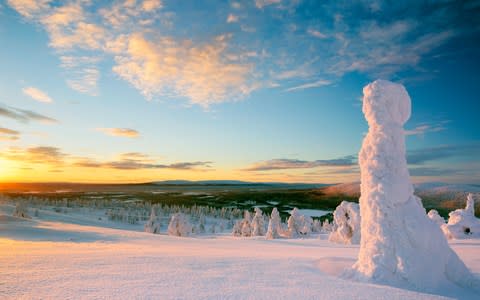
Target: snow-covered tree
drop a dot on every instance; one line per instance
(327, 226)
(400, 246)
(258, 225)
(435, 217)
(179, 225)
(21, 210)
(237, 228)
(346, 228)
(274, 225)
(462, 223)
(247, 224)
(153, 224)
(295, 223)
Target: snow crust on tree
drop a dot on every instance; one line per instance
(462, 223)
(346, 228)
(399, 245)
(435, 217)
(179, 225)
(153, 224)
(274, 225)
(21, 210)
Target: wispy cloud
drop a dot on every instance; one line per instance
(36, 155)
(310, 85)
(24, 115)
(232, 18)
(429, 154)
(37, 94)
(9, 134)
(424, 128)
(283, 164)
(316, 33)
(263, 3)
(122, 132)
(55, 157)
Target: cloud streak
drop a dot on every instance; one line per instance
(37, 94)
(9, 134)
(121, 132)
(285, 164)
(24, 115)
(318, 83)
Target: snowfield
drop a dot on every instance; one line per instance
(75, 256)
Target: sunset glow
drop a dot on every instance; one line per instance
(134, 91)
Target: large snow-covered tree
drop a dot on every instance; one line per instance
(399, 245)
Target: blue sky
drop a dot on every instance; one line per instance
(266, 90)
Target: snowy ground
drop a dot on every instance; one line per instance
(78, 256)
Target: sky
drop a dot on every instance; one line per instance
(257, 90)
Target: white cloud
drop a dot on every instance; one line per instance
(121, 132)
(310, 85)
(178, 68)
(317, 34)
(37, 94)
(232, 18)
(263, 3)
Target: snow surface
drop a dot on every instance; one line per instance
(313, 212)
(58, 256)
(400, 245)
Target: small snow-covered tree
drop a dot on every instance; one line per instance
(201, 225)
(295, 223)
(462, 223)
(435, 217)
(237, 228)
(153, 224)
(247, 224)
(306, 223)
(21, 210)
(346, 218)
(327, 226)
(258, 225)
(274, 227)
(179, 225)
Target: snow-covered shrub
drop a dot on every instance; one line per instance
(21, 210)
(274, 225)
(258, 223)
(435, 217)
(462, 223)
(179, 225)
(153, 224)
(346, 228)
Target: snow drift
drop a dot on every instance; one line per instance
(462, 223)
(399, 245)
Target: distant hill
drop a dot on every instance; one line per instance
(433, 194)
(235, 183)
